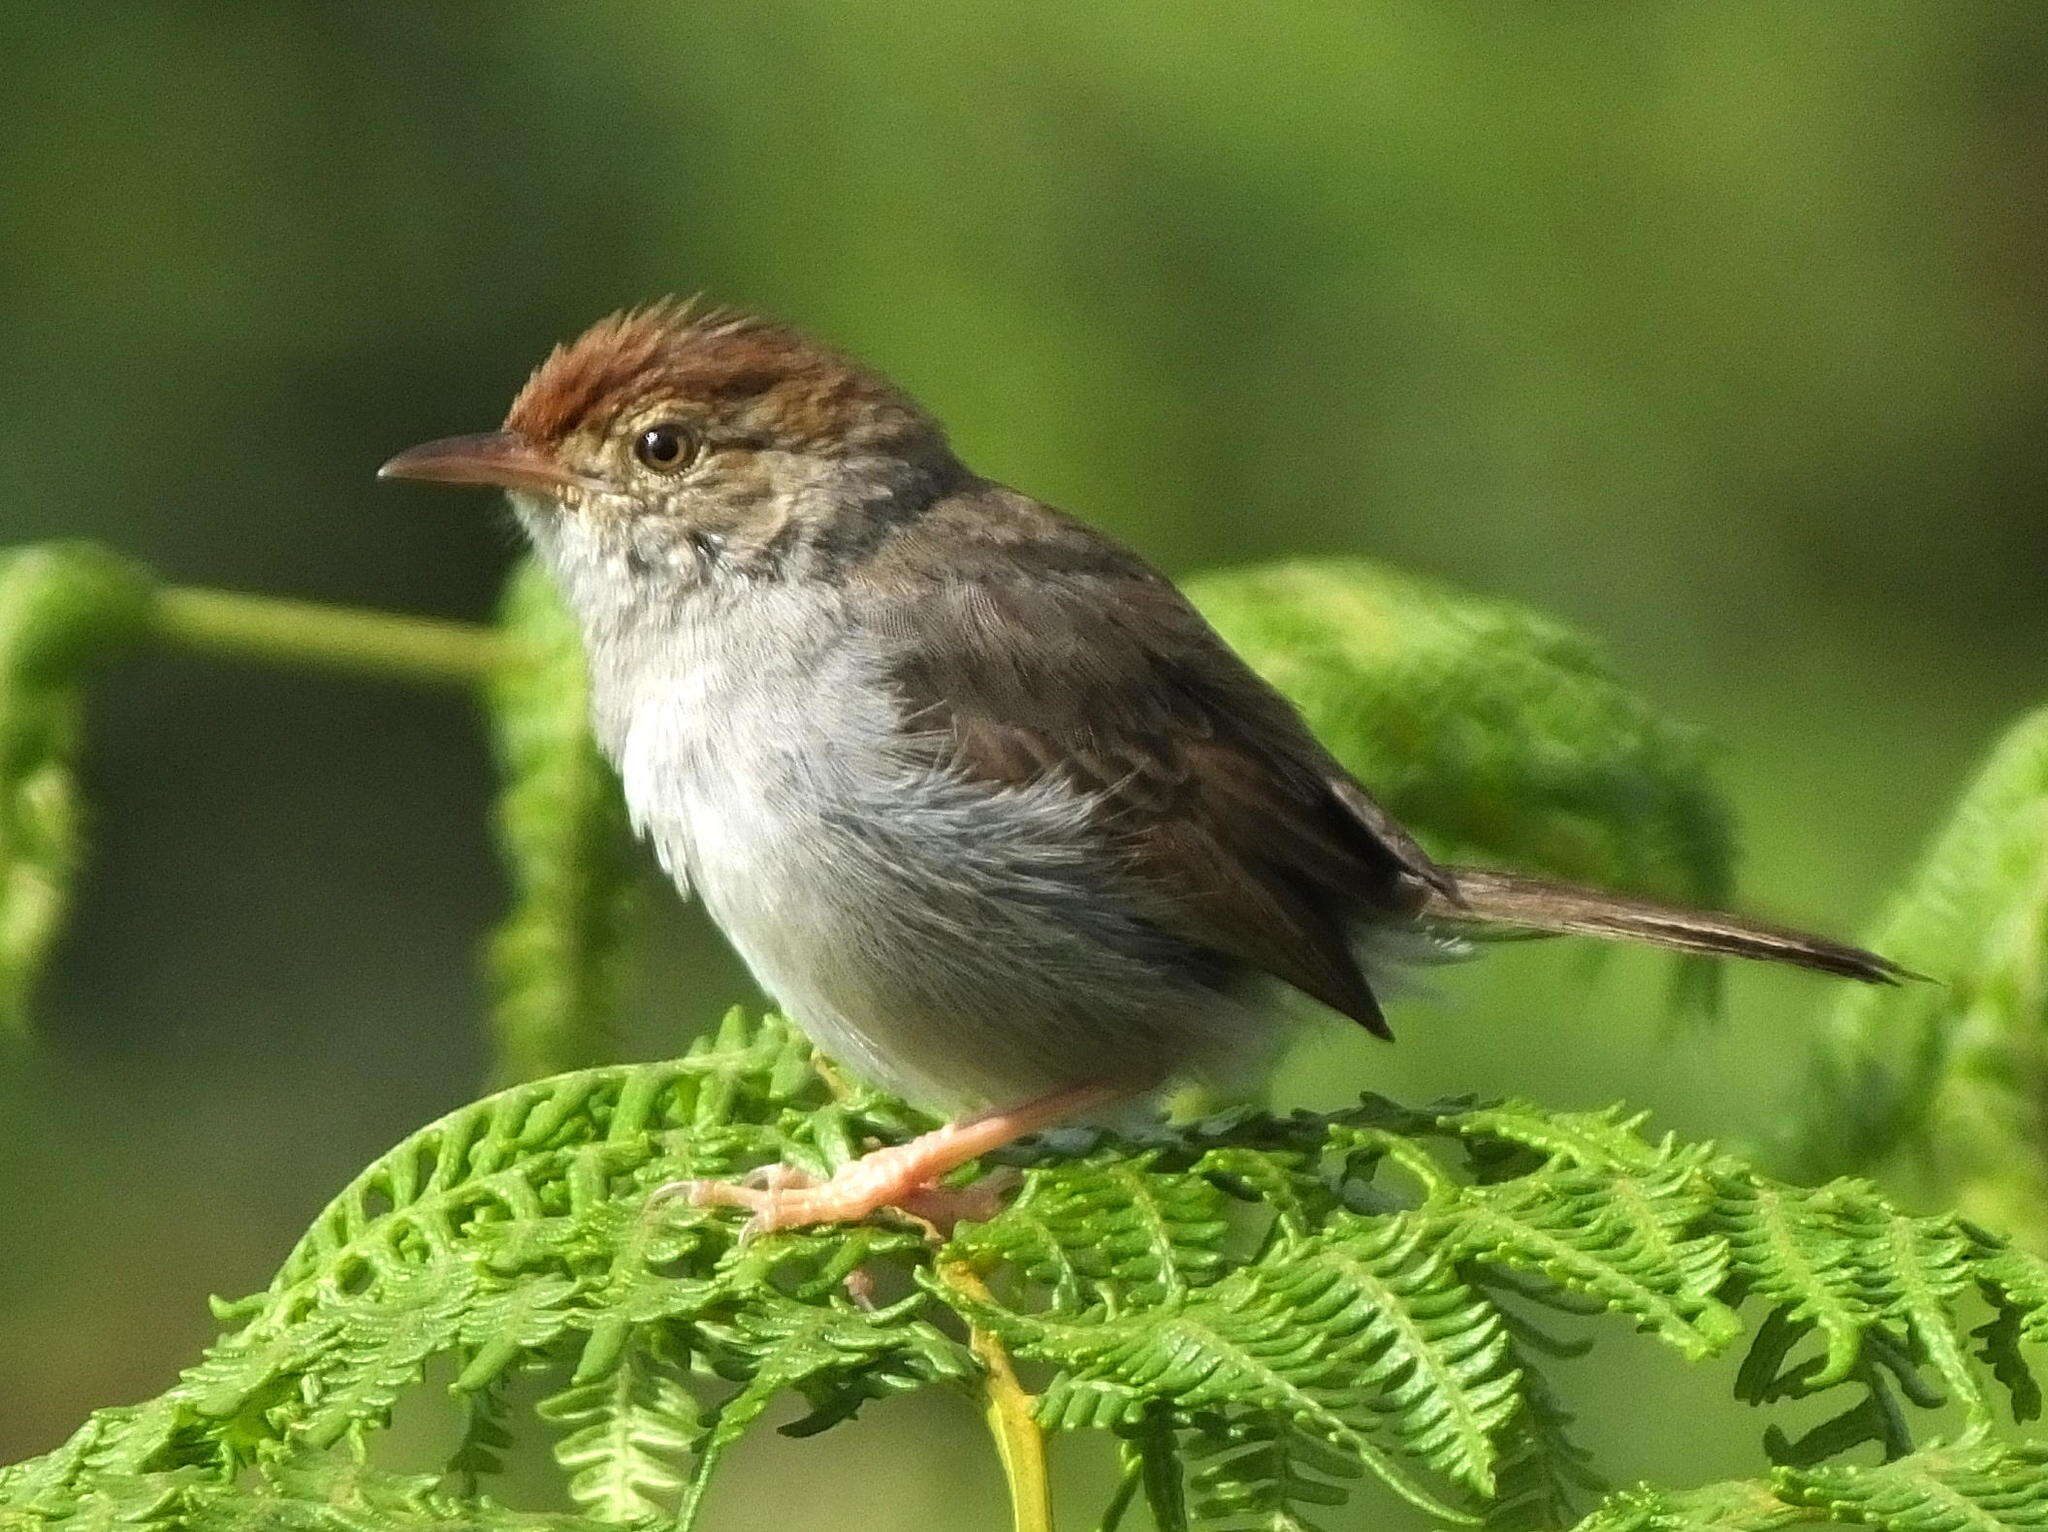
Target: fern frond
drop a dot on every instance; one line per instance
(1629, 1252)
(1794, 1248)
(1433, 1347)
(1545, 1476)
(1282, 1180)
(1601, 1141)
(557, 961)
(1229, 1344)
(2018, 1281)
(519, 1221)
(1976, 1488)
(326, 1498)
(1498, 733)
(64, 608)
(1274, 1307)
(1257, 1473)
(1110, 1227)
(1879, 1286)
(1362, 1338)
(1982, 1487)
(378, 1347)
(634, 1431)
(834, 1354)
(1952, 1075)
(1737, 1507)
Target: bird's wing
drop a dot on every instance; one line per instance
(1239, 831)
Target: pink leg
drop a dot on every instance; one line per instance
(901, 1176)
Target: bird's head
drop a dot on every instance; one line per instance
(668, 429)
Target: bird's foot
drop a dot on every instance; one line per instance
(904, 1176)
(783, 1197)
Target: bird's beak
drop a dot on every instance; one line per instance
(496, 458)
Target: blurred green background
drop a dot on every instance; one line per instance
(1717, 330)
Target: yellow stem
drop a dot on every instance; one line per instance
(1006, 1408)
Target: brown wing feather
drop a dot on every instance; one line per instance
(1239, 832)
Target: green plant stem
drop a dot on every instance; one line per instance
(1006, 1408)
(332, 637)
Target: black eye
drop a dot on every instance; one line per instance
(666, 448)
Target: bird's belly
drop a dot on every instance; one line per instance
(960, 945)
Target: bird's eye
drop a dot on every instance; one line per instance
(666, 448)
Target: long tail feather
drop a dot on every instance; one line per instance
(1516, 904)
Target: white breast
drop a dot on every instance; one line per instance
(740, 735)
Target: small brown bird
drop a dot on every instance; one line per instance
(978, 796)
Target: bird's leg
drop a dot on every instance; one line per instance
(900, 1176)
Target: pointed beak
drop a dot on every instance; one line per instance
(495, 458)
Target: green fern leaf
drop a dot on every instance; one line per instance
(2018, 1279)
(1920, 1267)
(1979, 1488)
(1951, 1075)
(383, 1341)
(1073, 1403)
(1110, 1223)
(557, 963)
(486, 1434)
(1735, 1507)
(329, 1498)
(1257, 1473)
(498, 1327)
(1603, 1141)
(1282, 1181)
(835, 1354)
(1628, 1252)
(1841, 1260)
(1300, 1337)
(1434, 1348)
(1544, 1476)
(64, 609)
(1268, 1308)
(1793, 1246)
(634, 1430)
(117, 1444)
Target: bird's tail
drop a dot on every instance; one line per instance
(1480, 900)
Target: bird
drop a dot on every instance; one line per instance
(980, 799)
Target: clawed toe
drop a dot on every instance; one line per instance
(762, 1201)
(670, 1192)
(756, 1189)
